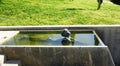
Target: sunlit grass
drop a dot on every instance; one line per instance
(57, 12)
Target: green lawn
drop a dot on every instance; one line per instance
(57, 12)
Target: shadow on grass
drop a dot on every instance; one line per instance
(1, 3)
(72, 9)
(75, 9)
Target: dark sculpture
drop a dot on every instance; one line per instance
(66, 34)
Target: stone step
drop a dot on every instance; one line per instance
(13, 62)
(10, 65)
(2, 59)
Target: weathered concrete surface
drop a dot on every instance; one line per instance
(59, 56)
(6, 35)
(109, 34)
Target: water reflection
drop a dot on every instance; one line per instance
(66, 41)
(77, 38)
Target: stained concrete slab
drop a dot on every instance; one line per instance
(10, 65)
(60, 56)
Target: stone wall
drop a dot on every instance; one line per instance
(59, 56)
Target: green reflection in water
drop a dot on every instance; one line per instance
(54, 39)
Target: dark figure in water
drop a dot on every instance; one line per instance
(99, 4)
(66, 41)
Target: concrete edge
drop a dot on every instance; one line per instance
(101, 42)
(60, 26)
(45, 46)
(55, 27)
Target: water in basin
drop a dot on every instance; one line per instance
(78, 38)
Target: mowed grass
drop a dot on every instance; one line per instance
(57, 12)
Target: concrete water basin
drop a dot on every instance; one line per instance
(93, 53)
